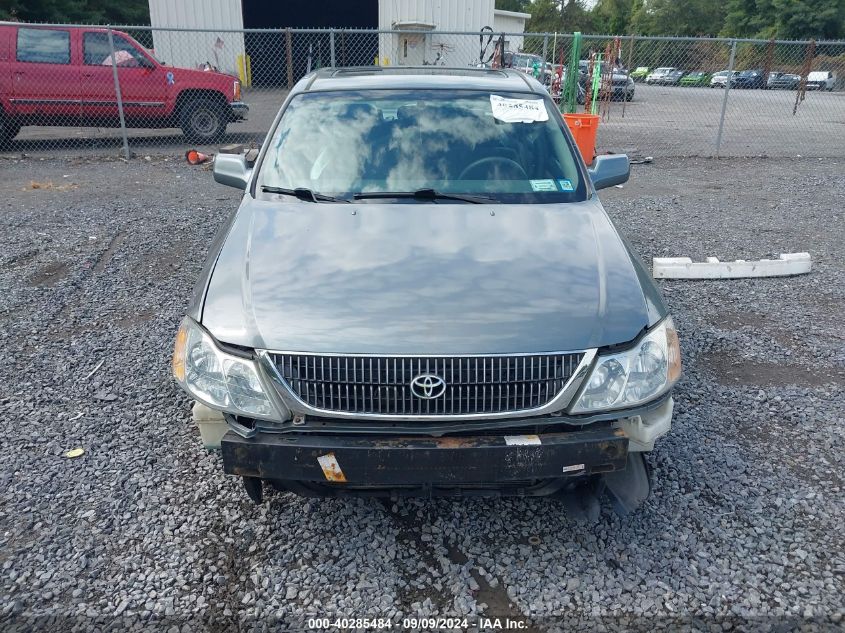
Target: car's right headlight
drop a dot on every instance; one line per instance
(217, 378)
(633, 377)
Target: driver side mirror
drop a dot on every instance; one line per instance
(232, 170)
(609, 170)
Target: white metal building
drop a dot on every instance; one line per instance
(510, 22)
(228, 50)
(434, 17)
(224, 50)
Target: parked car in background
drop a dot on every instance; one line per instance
(672, 78)
(657, 74)
(720, 79)
(622, 85)
(63, 77)
(639, 73)
(750, 79)
(782, 81)
(820, 80)
(454, 314)
(529, 64)
(697, 78)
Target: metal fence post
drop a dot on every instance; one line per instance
(118, 95)
(725, 96)
(289, 51)
(628, 66)
(331, 46)
(545, 48)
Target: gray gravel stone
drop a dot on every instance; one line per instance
(748, 500)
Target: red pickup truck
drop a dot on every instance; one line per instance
(64, 77)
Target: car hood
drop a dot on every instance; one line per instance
(426, 279)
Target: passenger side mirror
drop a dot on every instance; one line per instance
(609, 170)
(231, 170)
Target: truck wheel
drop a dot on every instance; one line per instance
(8, 130)
(202, 120)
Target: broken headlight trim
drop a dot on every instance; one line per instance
(634, 377)
(220, 380)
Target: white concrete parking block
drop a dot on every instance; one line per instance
(684, 268)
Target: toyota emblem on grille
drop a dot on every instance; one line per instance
(428, 386)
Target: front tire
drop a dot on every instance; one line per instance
(202, 120)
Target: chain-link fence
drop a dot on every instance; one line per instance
(144, 90)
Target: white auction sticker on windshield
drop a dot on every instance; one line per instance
(547, 184)
(518, 110)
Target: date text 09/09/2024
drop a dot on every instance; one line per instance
(418, 624)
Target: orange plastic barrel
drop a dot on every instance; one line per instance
(584, 128)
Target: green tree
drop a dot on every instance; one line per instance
(785, 19)
(612, 17)
(678, 17)
(520, 6)
(750, 18)
(576, 16)
(546, 17)
(76, 11)
(810, 19)
(561, 16)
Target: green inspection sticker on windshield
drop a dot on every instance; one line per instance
(543, 185)
(565, 185)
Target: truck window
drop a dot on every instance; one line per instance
(97, 52)
(44, 46)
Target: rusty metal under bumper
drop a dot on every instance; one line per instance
(372, 461)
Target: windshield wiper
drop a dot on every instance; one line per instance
(303, 194)
(423, 194)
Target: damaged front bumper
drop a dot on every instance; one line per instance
(358, 462)
(552, 457)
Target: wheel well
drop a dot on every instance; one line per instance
(187, 95)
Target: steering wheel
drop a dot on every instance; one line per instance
(493, 160)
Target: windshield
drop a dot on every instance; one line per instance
(509, 147)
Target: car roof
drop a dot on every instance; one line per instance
(423, 77)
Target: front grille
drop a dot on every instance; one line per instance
(382, 384)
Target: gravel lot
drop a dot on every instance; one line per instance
(744, 528)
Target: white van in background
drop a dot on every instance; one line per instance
(820, 80)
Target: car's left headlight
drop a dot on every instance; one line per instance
(218, 379)
(633, 377)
